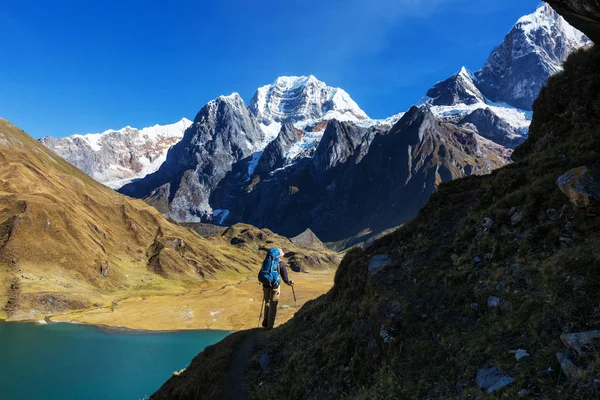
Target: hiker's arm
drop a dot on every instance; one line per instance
(284, 274)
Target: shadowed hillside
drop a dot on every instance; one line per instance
(492, 290)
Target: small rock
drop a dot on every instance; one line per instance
(519, 354)
(492, 379)
(565, 240)
(580, 186)
(487, 224)
(577, 341)
(264, 361)
(477, 259)
(493, 302)
(516, 217)
(522, 392)
(568, 368)
(378, 262)
(475, 306)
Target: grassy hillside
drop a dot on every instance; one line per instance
(68, 242)
(491, 265)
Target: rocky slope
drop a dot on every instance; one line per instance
(532, 51)
(326, 192)
(115, 158)
(68, 242)
(223, 132)
(491, 290)
(498, 98)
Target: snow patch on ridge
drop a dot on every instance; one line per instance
(517, 118)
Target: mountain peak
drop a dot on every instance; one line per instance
(534, 49)
(302, 98)
(233, 97)
(459, 88)
(546, 18)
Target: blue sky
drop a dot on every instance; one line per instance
(78, 67)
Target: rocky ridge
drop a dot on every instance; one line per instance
(116, 158)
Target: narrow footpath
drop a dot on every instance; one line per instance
(236, 378)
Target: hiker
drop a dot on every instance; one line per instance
(272, 272)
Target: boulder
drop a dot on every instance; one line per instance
(492, 379)
(493, 302)
(581, 187)
(577, 341)
(378, 262)
(520, 354)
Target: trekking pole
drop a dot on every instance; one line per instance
(262, 307)
(294, 293)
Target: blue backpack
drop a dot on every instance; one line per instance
(269, 272)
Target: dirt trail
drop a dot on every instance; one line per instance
(236, 378)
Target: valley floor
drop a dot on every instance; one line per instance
(224, 305)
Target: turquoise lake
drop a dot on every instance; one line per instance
(64, 361)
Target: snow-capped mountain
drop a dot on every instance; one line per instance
(360, 181)
(303, 154)
(223, 133)
(301, 100)
(498, 98)
(534, 49)
(116, 157)
(458, 89)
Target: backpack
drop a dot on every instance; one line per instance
(269, 272)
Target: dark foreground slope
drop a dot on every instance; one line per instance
(491, 265)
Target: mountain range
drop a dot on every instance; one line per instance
(296, 156)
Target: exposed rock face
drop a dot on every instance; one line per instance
(532, 51)
(223, 132)
(307, 239)
(500, 95)
(457, 89)
(582, 14)
(493, 379)
(580, 186)
(341, 141)
(360, 179)
(117, 157)
(275, 154)
(492, 127)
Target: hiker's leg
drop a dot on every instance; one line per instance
(267, 300)
(273, 306)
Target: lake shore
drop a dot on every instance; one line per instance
(223, 306)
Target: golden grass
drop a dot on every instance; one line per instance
(59, 229)
(223, 305)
